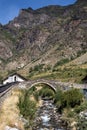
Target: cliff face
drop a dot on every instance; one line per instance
(46, 35)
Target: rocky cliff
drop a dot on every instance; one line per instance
(44, 36)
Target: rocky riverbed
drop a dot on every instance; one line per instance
(48, 119)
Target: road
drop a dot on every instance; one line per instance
(5, 88)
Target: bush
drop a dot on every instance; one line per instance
(46, 92)
(26, 106)
(82, 124)
(71, 114)
(67, 99)
(36, 96)
(80, 108)
(61, 62)
(58, 99)
(72, 98)
(38, 67)
(58, 96)
(1, 79)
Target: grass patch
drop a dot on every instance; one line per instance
(65, 74)
(9, 113)
(61, 62)
(26, 106)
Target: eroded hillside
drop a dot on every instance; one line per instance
(43, 36)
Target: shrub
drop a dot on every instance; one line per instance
(71, 114)
(58, 96)
(82, 124)
(1, 78)
(67, 99)
(46, 92)
(61, 62)
(72, 97)
(38, 67)
(80, 108)
(26, 106)
(36, 96)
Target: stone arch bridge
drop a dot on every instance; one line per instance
(54, 84)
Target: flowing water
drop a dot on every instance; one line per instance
(47, 118)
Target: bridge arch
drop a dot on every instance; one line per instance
(42, 82)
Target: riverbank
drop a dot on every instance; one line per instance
(9, 112)
(25, 109)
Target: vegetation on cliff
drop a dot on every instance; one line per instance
(52, 36)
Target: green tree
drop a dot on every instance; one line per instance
(72, 97)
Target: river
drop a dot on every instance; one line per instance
(48, 118)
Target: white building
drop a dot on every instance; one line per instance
(14, 78)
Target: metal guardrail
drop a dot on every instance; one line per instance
(3, 93)
(6, 88)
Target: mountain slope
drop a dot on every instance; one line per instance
(44, 36)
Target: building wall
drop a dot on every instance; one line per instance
(13, 78)
(19, 79)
